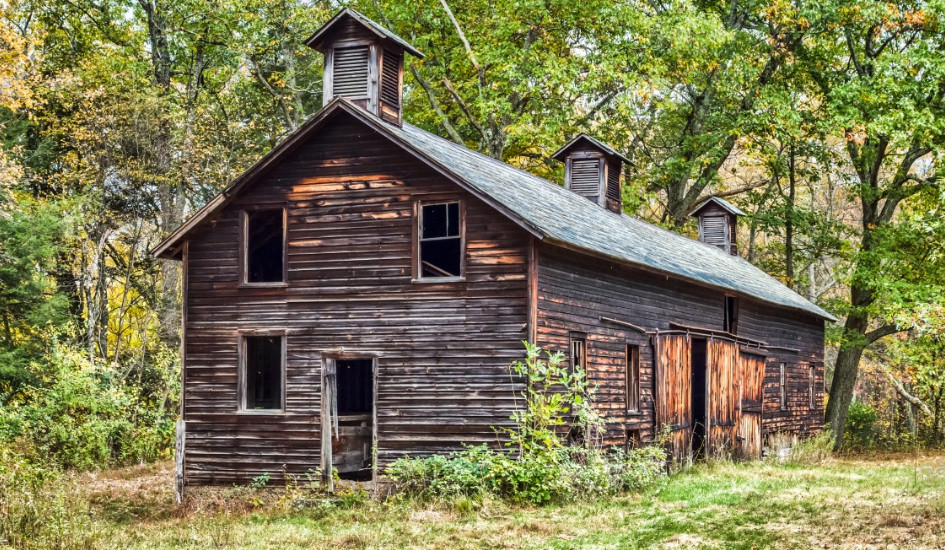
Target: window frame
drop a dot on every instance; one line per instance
(634, 391)
(417, 270)
(244, 248)
(782, 385)
(241, 376)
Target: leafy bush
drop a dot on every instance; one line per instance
(83, 418)
(535, 478)
(860, 433)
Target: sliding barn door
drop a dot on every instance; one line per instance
(673, 391)
(752, 372)
(723, 382)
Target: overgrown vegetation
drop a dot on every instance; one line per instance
(883, 501)
(553, 451)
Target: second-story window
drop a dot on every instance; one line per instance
(264, 246)
(441, 240)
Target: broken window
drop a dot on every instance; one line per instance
(782, 385)
(730, 324)
(810, 379)
(634, 440)
(633, 378)
(264, 246)
(578, 354)
(441, 241)
(262, 373)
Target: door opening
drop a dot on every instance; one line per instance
(699, 405)
(353, 438)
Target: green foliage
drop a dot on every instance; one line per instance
(860, 420)
(555, 398)
(536, 478)
(85, 417)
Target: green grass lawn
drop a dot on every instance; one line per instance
(864, 502)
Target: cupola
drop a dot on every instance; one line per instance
(364, 63)
(718, 220)
(592, 170)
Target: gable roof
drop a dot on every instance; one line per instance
(722, 203)
(562, 152)
(550, 212)
(315, 40)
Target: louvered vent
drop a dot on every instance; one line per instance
(585, 177)
(613, 181)
(350, 75)
(715, 231)
(390, 79)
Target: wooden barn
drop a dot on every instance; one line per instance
(360, 293)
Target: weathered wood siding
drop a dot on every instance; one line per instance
(796, 339)
(443, 349)
(574, 291)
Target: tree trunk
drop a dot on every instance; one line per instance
(845, 374)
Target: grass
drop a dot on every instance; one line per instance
(891, 501)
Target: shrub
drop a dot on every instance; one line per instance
(535, 478)
(859, 430)
(84, 418)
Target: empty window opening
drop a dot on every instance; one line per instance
(634, 441)
(352, 446)
(265, 246)
(730, 323)
(782, 385)
(633, 378)
(698, 397)
(262, 373)
(441, 241)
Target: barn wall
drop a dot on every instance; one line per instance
(575, 291)
(443, 349)
(796, 339)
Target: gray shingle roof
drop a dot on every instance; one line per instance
(724, 204)
(313, 41)
(567, 218)
(545, 208)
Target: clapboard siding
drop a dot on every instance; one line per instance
(575, 291)
(797, 340)
(443, 349)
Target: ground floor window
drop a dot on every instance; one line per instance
(262, 380)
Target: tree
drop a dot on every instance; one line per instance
(880, 76)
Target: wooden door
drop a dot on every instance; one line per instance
(722, 382)
(673, 391)
(751, 367)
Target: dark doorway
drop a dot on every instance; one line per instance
(698, 388)
(352, 452)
